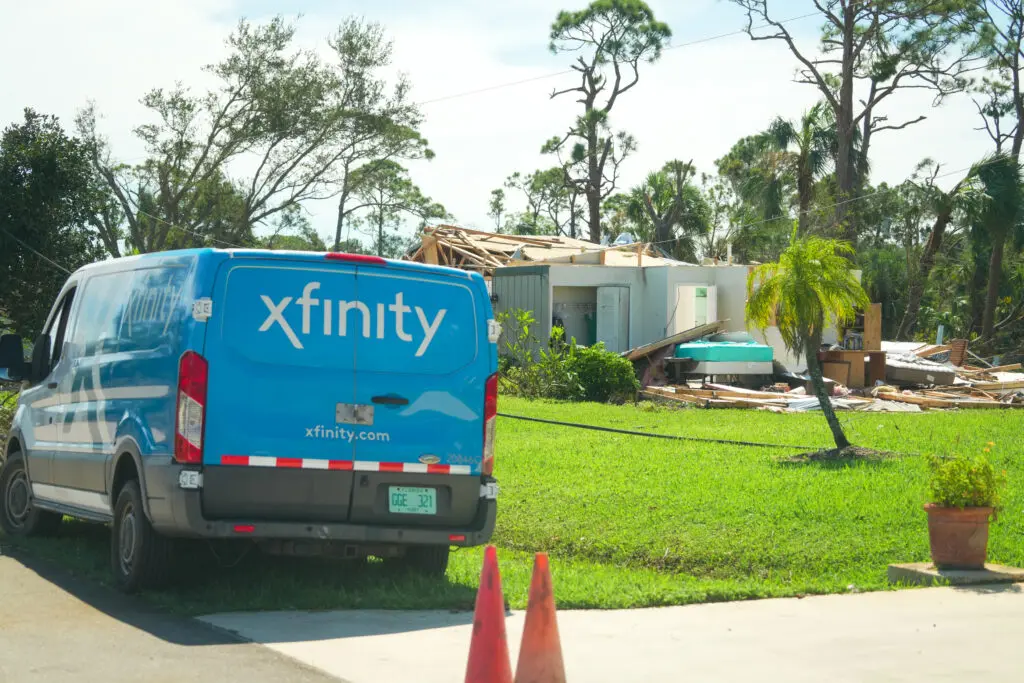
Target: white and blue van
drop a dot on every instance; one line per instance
(302, 400)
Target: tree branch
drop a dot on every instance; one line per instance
(901, 126)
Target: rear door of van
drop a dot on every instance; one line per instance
(422, 367)
(281, 355)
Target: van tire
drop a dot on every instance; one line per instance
(139, 557)
(18, 517)
(427, 560)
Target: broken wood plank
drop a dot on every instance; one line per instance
(430, 249)
(729, 395)
(535, 241)
(740, 390)
(684, 336)
(927, 402)
(917, 400)
(703, 402)
(998, 386)
(978, 358)
(873, 328)
(998, 368)
(933, 351)
(941, 394)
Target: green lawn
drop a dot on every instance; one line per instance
(631, 521)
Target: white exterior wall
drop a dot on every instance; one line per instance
(652, 292)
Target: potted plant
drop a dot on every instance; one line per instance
(964, 497)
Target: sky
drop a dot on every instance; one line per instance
(706, 92)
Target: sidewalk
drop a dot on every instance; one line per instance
(54, 628)
(934, 635)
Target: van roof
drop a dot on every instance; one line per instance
(311, 256)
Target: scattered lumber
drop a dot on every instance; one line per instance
(987, 371)
(930, 351)
(998, 386)
(927, 401)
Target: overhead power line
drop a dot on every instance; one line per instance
(30, 248)
(563, 72)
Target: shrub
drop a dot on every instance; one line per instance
(603, 375)
(962, 481)
(563, 370)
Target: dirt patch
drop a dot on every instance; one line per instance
(848, 454)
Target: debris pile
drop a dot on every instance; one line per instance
(914, 378)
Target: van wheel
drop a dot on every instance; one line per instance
(139, 556)
(426, 560)
(18, 517)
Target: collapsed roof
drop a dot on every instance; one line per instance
(482, 252)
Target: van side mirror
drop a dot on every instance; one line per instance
(40, 367)
(12, 358)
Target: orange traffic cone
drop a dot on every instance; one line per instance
(540, 655)
(488, 649)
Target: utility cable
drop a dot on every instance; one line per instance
(673, 437)
(555, 74)
(45, 258)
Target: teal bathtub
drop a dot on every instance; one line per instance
(719, 352)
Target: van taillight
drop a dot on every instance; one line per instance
(188, 436)
(490, 421)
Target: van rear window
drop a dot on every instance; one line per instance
(128, 311)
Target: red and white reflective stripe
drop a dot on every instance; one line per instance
(358, 465)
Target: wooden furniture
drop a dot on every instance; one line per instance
(873, 328)
(837, 370)
(865, 367)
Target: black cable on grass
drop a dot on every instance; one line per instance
(660, 436)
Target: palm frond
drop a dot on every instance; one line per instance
(812, 286)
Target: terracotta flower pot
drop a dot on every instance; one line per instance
(958, 537)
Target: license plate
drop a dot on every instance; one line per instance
(411, 500)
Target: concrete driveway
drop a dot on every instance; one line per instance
(934, 635)
(54, 628)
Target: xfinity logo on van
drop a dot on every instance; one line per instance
(325, 318)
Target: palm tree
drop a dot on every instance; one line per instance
(943, 206)
(811, 287)
(669, 211)
(1001, 216)
(809, 151)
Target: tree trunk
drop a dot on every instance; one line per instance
(593, 182)
(342, 200)
(860, 171)
(573, 198)
(341, 220)
(1018, 106)
(845, 164)
(916, 290)
(380, 233)
(594, 204)
(818, 382)
(980, 255)
(803, 190)
(995, 272)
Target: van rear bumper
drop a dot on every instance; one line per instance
(178, 512)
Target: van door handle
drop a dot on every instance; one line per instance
(52, 385)
(390, 400)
